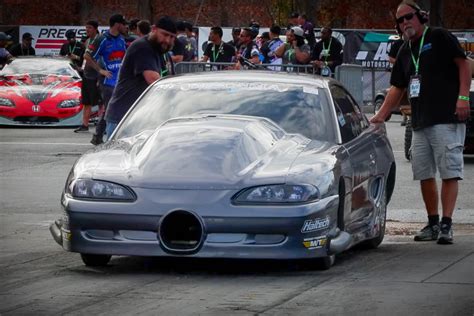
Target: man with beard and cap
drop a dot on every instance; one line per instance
(144, 63)
(25, 48)
(433, 68)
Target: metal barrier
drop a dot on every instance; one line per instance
(188, 67)
(351, 76)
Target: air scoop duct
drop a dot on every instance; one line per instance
(181, 232)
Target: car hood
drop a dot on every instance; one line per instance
(38, 92)
(198, 154)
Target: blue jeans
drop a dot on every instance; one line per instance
(110, 128)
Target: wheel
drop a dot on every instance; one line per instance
(382, 216)
(325, 263)
(95, 260)
(408, 136)
(378, 105)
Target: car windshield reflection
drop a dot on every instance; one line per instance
(295, 108)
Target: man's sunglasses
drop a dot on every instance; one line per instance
(407, 17)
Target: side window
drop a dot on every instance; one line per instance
(351, 121)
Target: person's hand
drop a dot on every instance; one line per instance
(105, 73)
(462, 109)
(318, 63)
(377, 119)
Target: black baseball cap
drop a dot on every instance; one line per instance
(117, 18)
(27, 36)
(166, 23)
(70, 34)
(4, 37)
(236, 30)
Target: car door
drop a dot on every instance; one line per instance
(359, 142)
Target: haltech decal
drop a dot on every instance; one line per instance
(312, 225)
(315, 242)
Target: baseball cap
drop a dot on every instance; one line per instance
(4, 37)
(70, 34)
(117, 18)
(298, 31)
(166, 23)
(27, 36)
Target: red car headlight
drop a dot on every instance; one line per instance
(7, 102)
(69, 103)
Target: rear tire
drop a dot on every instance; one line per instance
(95, 260)
(408, 139)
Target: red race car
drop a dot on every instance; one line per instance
(40, 91)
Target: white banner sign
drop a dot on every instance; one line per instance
(48, 39)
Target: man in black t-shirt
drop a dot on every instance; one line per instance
(434, 70)
(144, 63)
(25, 48)
(73, 49)
(218, 51)
(327, 53)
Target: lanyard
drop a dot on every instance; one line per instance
(214, 52)
(328, 49)
(291, 52)
(71, 51)
(417, 61)
(164, 72)
(91, 40)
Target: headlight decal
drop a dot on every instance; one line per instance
(277, 194)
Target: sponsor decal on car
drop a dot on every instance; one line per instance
(312, 225)
(315, 242)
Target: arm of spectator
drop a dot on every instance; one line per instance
(204, 58)
(280, 51)
(151, 76)
(91, 62)
(177, 58)
(392, 100)
(301, 56)
(465, 74)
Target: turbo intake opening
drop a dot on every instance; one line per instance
(181, 231)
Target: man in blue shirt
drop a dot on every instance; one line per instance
(109, 52)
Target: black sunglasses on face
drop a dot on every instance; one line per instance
(407, 17)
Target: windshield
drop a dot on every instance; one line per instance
(296, 108)
(40, 67)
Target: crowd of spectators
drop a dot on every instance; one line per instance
(108, 73)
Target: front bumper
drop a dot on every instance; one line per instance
(268, 233)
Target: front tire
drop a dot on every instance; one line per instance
(95, 260)
(325, 263)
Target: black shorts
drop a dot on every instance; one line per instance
(90, 92)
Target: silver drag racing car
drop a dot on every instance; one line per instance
(237, 164)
